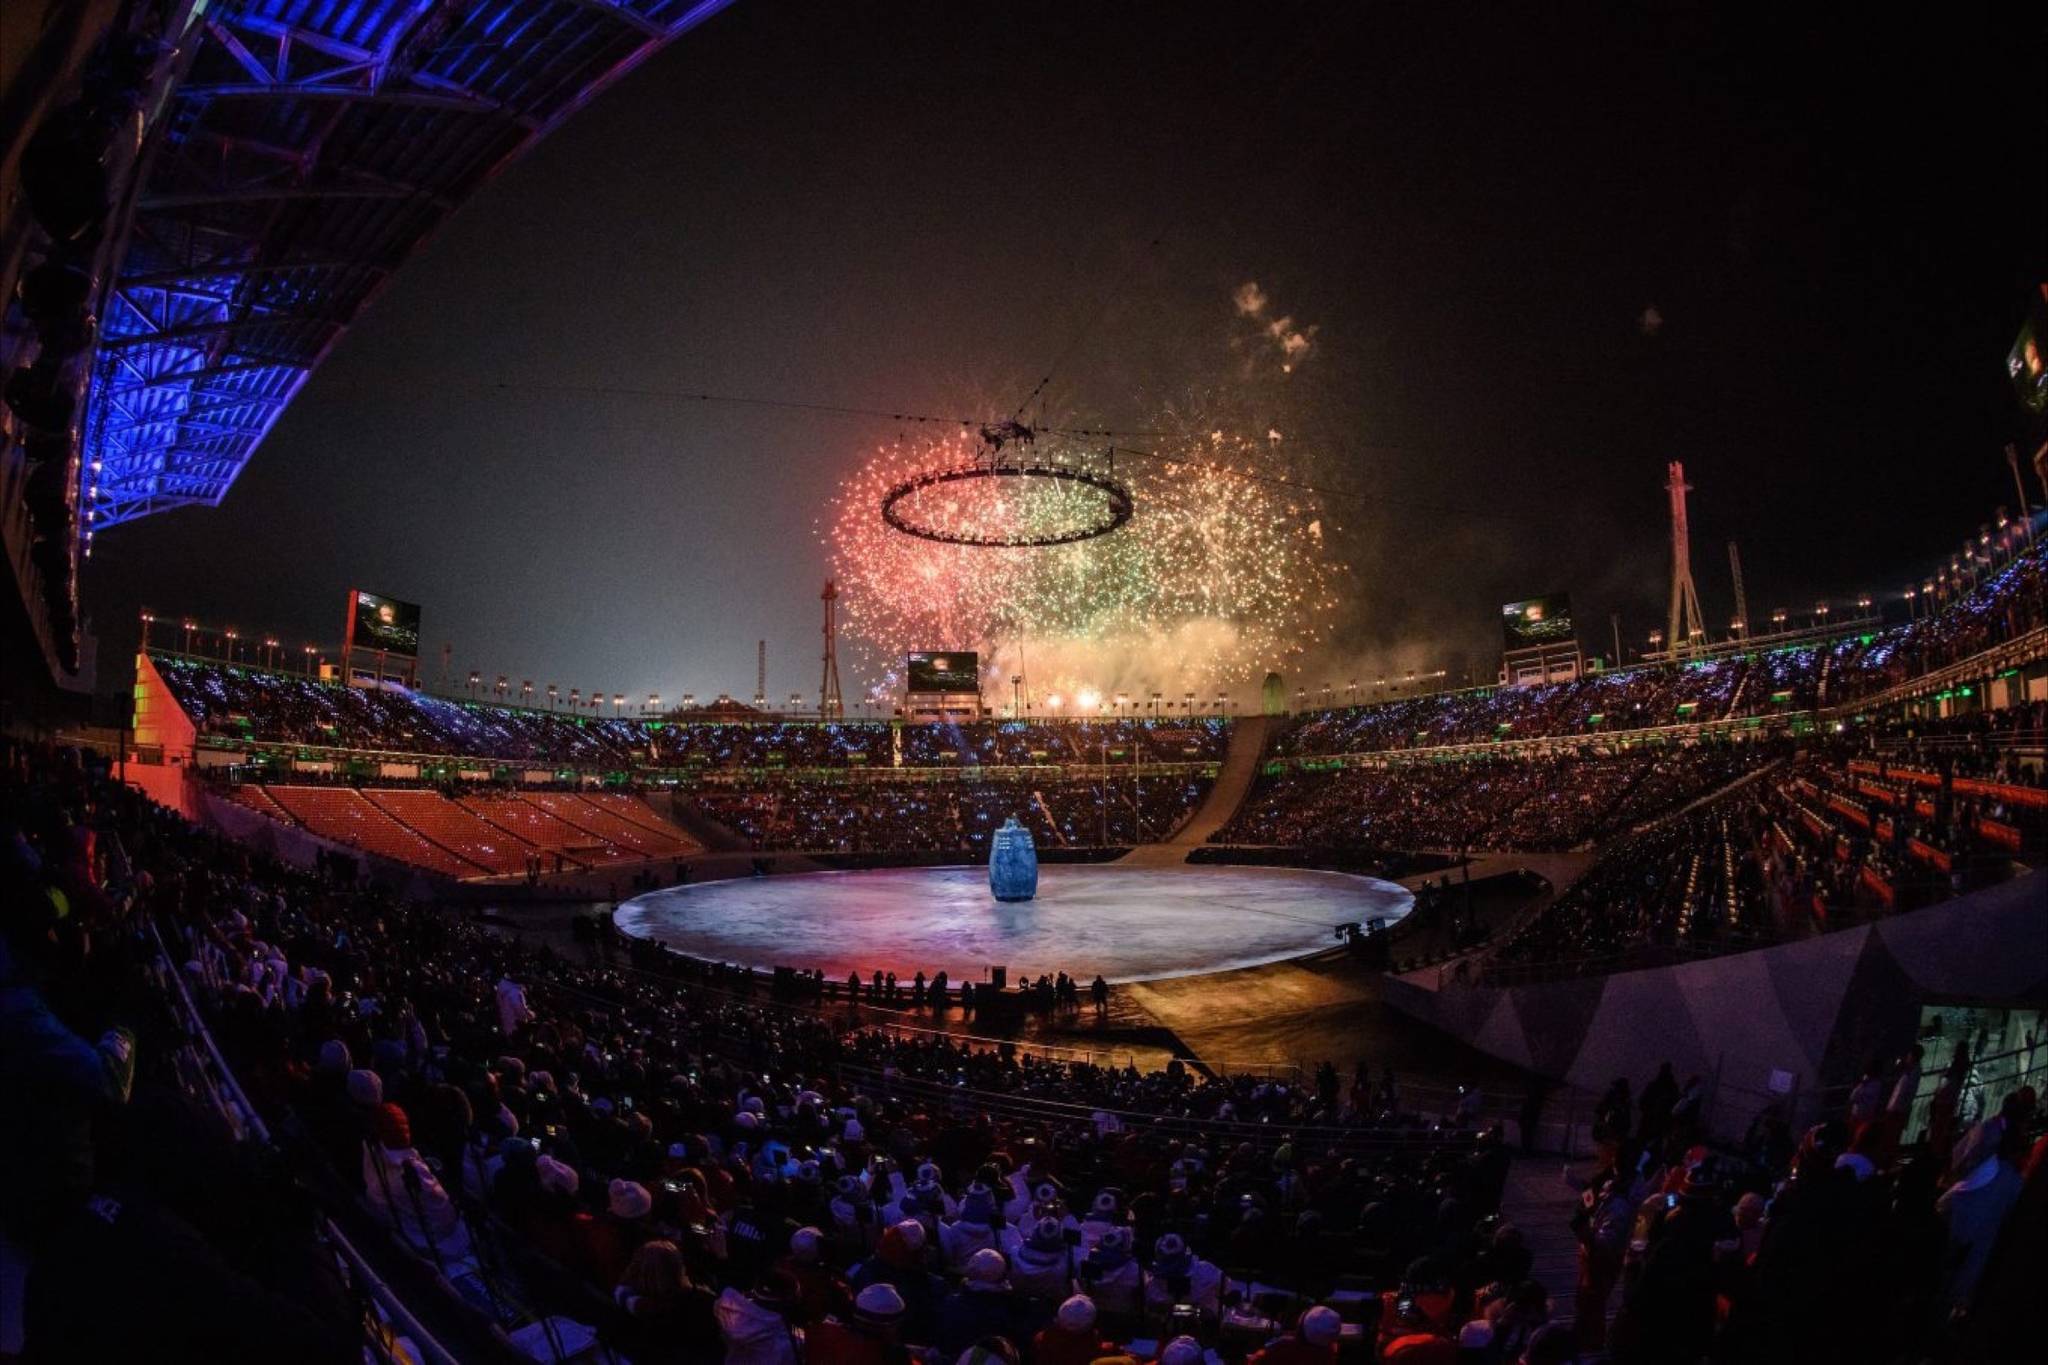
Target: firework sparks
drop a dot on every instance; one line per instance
(1216, 577)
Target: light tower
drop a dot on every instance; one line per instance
(760, 675)
(1684, 621)
(830, 705)
(1741, 598)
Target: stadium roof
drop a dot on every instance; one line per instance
(311, 146)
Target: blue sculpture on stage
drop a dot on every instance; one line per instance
(1012, 863)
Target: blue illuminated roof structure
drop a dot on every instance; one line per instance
(311, 146)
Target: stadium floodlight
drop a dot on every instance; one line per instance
(689, 700)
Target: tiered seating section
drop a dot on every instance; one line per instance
(346, 816)
(621, 821)
(2007, 604)
(948, 816)
(1535, 803)
(239, 702)
(477, 836)
(1822, 841)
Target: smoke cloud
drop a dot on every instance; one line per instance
(1292, 342)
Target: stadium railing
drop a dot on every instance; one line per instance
(391, 1332)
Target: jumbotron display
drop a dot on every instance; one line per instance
(957, 671)
(1537, 621)
(383, 624)
(1223, 572)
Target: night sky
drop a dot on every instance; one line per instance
(1483, 211)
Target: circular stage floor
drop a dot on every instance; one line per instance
(1129, 924)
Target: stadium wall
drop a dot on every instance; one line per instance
(1785, 1024)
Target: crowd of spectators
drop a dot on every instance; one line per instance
(2007, 603)
(699, 1175)
(1537, 802)
(1822, 842)
(248, 703)
(694, 1171)
(1853, 1240)
(1106, 740)
(820, 816)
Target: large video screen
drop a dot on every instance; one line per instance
(1538, 621)
(957, 671)
(2027, 363)
(383, 623)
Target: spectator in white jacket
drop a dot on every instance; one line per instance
(1180, 1276)
(406, 1194)
(513, 1010)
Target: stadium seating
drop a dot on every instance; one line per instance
(619, 820)
(455, 828)
(347, 816)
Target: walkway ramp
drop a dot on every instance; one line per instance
(1233, 781)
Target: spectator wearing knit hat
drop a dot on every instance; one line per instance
(899, 1262)
(1071, 1337)
(1179, 1276)
(871, 1334)
(973, 1231)
(924, 1199)
(982, 1306)
(559, 1225)
(627, 1221)
(1312, 1342)
(1112, 1275)
(1041, 1267)
(820, 1291)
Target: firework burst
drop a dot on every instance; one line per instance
(1217, 577)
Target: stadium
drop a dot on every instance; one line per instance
(1263, 856)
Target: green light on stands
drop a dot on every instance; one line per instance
(1865, 639)
(2010, 673)
(1964, 692)
(1781, 696)
(1596, 718)
(1686, 708)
